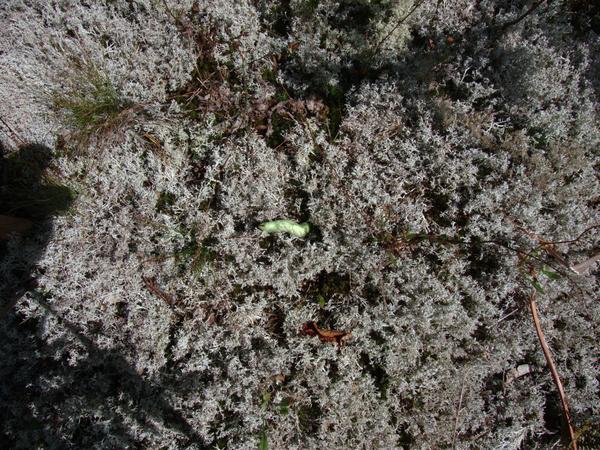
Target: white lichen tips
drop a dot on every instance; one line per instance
(286, 226)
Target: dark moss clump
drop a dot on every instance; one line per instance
(196, 255)
(377, 373)
(308, 417)
(279, 126)
(165, 202)
(326, 286)
(220, 428)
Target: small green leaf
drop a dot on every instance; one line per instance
(549, 273)
(284, 407)
(409, 236)
(322, 301)
(537, 286)
(266, 398)
(264, 443)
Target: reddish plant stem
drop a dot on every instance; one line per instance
(552, 366)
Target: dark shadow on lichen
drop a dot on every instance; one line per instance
(27, 195)
(45, 389)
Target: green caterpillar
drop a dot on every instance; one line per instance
(286, 226)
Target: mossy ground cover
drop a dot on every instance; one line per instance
(445, 155)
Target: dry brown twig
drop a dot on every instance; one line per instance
(155, 289)
(15, 135)
(550, 246)
(458, 409)
(414, 7)
(552, 366)
(531, 9)
(547, 246)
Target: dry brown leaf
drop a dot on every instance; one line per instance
(310, 328)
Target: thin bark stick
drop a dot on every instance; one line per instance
(456, 418)
(550, 362)
(155, 289)
(414, 7)
(522, 16)
(14, 133)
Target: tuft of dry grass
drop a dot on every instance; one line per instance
(90, 104)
